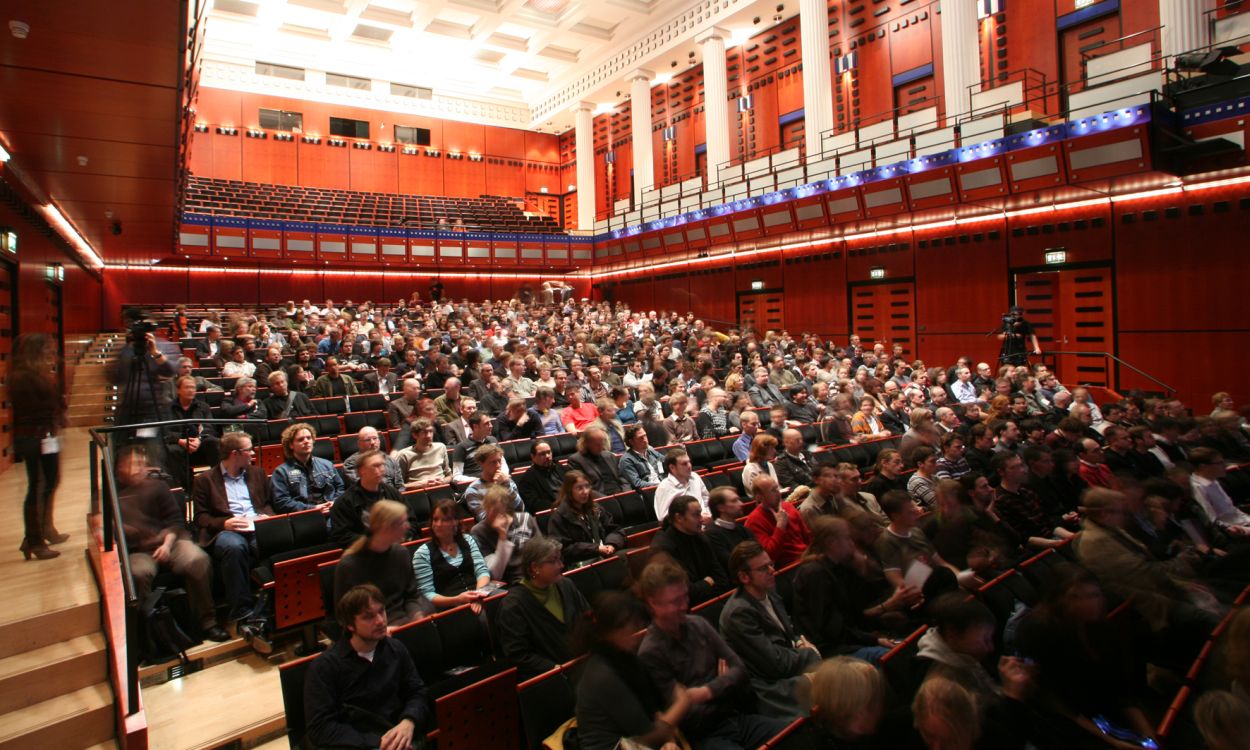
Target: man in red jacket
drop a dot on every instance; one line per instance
(778, 526)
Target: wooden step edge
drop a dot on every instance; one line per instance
(201, 657)
(45, 673)
(249, 735)
(49, 627)
(84, 716)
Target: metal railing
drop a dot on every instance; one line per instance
(1167, 389)
(104, 499)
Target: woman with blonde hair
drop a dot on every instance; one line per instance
(848, 699)
(378, 557)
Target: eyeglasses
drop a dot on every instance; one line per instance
(763, 567)
(245, 450)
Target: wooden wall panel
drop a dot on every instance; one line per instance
(268, 160)
(961, 289)
(321, 165)
(227, 156)
(1084, 233)
(1196, 363)
(815, 293)
(373, 171)
(420, 175)
(464, 178)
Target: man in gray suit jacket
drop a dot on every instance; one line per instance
(755, 625)
(764, 393)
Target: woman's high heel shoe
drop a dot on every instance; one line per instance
(40, 551)
(52, 536)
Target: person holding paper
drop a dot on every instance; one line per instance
(228, 499)
(39, 410)
(908, 559)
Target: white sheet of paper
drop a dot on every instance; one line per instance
(49, 445)
(917, 574)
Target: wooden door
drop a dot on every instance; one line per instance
(885, 313)
(793, 135)
(1071, 310)
(8, 321)
(761, 311)
(1084, 38)
(914, 95)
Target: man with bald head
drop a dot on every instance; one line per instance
(777, 525)
(794, 464)
(448, 404)
(368, 439)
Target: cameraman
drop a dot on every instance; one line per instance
(137, 373)
(1014, 333)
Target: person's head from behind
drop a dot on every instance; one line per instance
(362, 613)
(665, 589)
(966, 626)
(831, 538)
(946, 715)
(1223, 719)
(1105, 507)
(1237, 648)
(616, 623)
(386, 522)
(900, 508)
(848, 697)
(763, 448)
(724, 503)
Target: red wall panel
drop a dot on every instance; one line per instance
(267, 160)
(322, 165)
(1084, 233)
(227, 158)
(373, 171)
(815, 292)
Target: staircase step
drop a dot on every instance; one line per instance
(49, 628)
(74, 720)
(70, 665)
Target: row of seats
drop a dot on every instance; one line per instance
(289, 203)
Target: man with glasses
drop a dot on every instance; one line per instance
(368, 439)
(228, 499)
(755, 625)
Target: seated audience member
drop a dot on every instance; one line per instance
(489, 459)
(350, 511)
(449, 567)
(502, 533)
(304, 481)
(682, 539)
(448, 403)
(1146, 463)
(333, 382)
(777, 525)
(284, 403)
(681, 649)
(611, 425)
(544, 412)
(760, 461)
(156, 538)
(764, 393)
(1093, 465)
(600, 466)
(539, 484)
(851, 497)
(578, 415)
(402, 412)
(538, 618)
(516, 422)
(364, 691)
(225, 516)
(777, 424)
(1086, 665)
(1020, 508)
(979, 448)
(755, 625)
(923, 480)
(377, 557)
(617, 699)
(795, 464)
(966, 531)
(237, 365)
(713, 418)
(946, 715)
(903, 545)
(641, 465)
(585, 531)
(680, 480)
(848, 702)
(368, 439)
(724, 532)
(1056, 497)
(269, 365)
(1223, 719)
(887, 474)
(865, 422)
(243, 404)
(830, 594)
(188, 445)
(749, 422)
(800, 408)
(1165, 594)
(382, 380)
(424, 462)
(679, 426)
(464, 456)
(1211, 497)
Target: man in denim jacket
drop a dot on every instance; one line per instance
(303, 481)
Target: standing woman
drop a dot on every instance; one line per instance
(38, 417)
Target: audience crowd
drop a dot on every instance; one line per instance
(818, 570)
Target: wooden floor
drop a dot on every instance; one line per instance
(238, 699)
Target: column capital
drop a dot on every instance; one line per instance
(584, 107)
(640, 74)
(712, 33)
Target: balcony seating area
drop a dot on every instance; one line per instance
(255, 200)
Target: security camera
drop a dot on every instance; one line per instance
(117, 227)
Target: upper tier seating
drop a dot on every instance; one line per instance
(254, 200)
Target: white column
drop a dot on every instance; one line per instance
(640, 129)
(961, 55)
(817, 85)
(715, 108)
(584, 135)
(1184, 26)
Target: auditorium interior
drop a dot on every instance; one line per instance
(856, 198)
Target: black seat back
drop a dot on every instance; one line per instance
(291, 677)
(546, 702)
